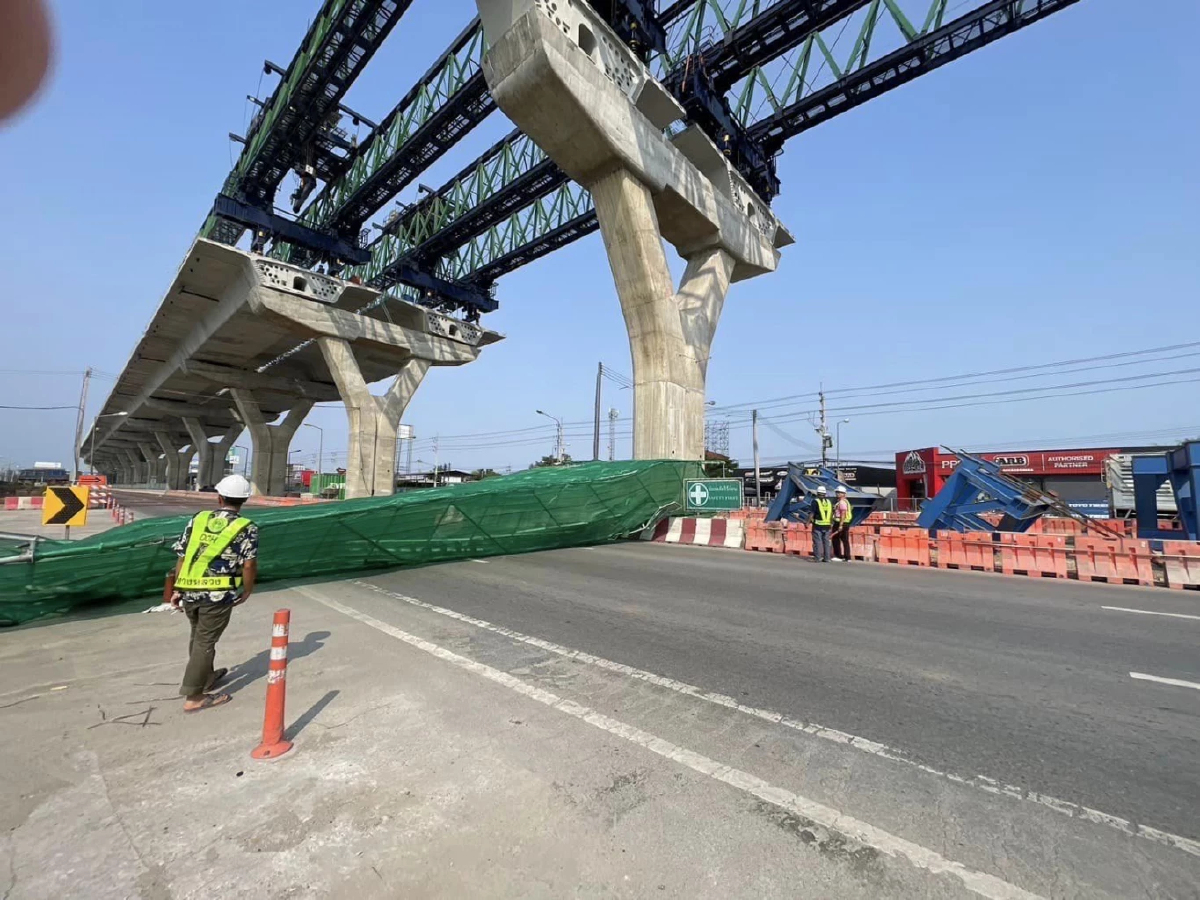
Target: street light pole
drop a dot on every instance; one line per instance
(245, 458)
(838, 463)
(558, 439)
(92, 454)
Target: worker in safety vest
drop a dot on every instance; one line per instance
(842, 514)
(822, 521)
(218, 564)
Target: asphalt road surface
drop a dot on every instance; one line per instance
(1024, 681)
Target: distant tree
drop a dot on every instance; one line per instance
(480, 474)
(720, 468)
(548, 461)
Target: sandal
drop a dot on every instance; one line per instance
(218, 676)
(209, 701)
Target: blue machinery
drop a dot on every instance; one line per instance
(978, 487)
(1181, 467)
(794, 501)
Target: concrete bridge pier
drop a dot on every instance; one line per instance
(269, 442)
(670, 332)
(178, 459)
(373, 420)
(137, 473)
(570, 83)
(211, 453)
(155, 464)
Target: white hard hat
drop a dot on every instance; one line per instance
(841, 489)
(235, 487)
(821, 490)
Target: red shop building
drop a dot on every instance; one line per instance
(1076, 476)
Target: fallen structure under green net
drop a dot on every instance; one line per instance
(540, 509)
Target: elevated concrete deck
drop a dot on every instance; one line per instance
(236, 328)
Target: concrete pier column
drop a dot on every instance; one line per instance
(269, 442)
(212, 453)
(155, 465)
(124, 473)
(177, 461)
(137, 468)
(373, 420)
(670, 333)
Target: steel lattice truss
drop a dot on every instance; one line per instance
(784, 67)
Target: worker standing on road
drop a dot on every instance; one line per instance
(842, 515)
(822, 520)
(217, 568)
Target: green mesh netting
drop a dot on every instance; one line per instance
(536, 510)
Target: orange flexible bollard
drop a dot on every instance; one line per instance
(273, 743)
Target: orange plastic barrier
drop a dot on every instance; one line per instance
(798, 540)
(1036, 555)
(755, 538)
(863, 545)
(904, 546)
(1182, 561)
(773, 537)
(1122, 561)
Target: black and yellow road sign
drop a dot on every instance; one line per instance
(65, 506)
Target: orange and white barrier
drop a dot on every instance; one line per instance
(729, 533)
(19, 503)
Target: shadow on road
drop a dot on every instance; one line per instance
(244, 675)
(311, 713)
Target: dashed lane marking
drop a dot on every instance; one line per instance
(828, 818)
(979, 782)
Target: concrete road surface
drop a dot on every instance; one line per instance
(629, 721)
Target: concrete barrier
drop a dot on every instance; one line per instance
(728, 533)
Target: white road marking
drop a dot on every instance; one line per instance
(1150, 612)
(981, 782)
(482, 562)
(1142, 676)
(827, 817)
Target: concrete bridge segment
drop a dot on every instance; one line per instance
(240, 340)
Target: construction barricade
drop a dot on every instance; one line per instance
(1036, 555)
(864, 545)
(1124, 561)
(904, 546)
(1181, 559)
(798, 539)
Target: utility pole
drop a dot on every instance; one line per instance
(612, 432)
(87, 376)
(435, 460)
(823, 431)
(596, 430)
(757, 475)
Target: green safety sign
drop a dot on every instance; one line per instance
(713, 494)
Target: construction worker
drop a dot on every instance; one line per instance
(217, 568)
(842, 514)
(822, 520)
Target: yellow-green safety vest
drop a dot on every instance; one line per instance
(210, 537)
(848, 516)
(824, 512)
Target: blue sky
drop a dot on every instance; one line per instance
(1036, 201)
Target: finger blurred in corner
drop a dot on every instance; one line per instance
(24, 52)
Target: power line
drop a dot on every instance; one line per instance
(40, 407)
(845, 393)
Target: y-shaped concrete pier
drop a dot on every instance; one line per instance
(559, 71)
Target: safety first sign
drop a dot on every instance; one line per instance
(65, 506)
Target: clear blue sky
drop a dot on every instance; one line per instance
(1036, 201)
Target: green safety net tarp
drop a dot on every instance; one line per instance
(540, 509)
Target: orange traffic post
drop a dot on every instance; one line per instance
(273, 743)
